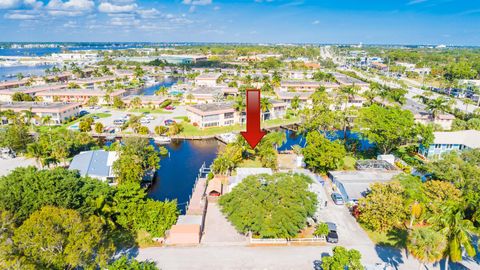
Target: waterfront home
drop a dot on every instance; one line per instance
(58, 111)
(6, 95)
(209, 94)
(445, 142)
(145, 101)
(300, 85)
(213, 114)
(445, 121)
(207, 79)
(78, 95)
(96, 164)
(287, 97)
(93, 82)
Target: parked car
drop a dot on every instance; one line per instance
(95, 117)
(144, 121)
(149, 117)
(169, 108)
(169, 122)
(119, 122)
(332, 236)
(337, 198)
(83, 113)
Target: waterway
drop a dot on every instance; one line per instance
(150, 91)
(9, 73)
(178, 171)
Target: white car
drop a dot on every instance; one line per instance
(144, 121)
(149, 117)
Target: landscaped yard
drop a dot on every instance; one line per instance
(394, 238)
(99, 115)
(191, 130)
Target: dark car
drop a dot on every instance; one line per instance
(337, 198)
(332, 237)
(82, 113)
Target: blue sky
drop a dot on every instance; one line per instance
(451, 22)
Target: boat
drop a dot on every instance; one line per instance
(162, 140)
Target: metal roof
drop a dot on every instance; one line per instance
(97, 164)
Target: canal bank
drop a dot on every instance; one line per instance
(179, 170)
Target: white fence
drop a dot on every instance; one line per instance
(283, 241)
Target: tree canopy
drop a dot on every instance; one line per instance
(270, 206)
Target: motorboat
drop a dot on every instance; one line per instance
(162, 140)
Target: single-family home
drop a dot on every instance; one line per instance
(96, 164)
(445, 142)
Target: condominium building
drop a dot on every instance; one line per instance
(223, 114)
(207, 79)
(78, 95)
(6, 95)
(58, 111)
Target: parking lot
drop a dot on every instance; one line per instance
(158, 118)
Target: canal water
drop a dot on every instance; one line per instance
(178, 171)
(9, 73)
(150, 91)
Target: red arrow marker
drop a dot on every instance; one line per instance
(254, 134)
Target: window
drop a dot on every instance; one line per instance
(209, 118)
(212, 124)
(229, 122)
(228, 115)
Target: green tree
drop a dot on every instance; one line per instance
(321, 229)
(426, 245)
(99, 127)
(383, 207)
(270, 206)
(118, 103)
(342, 259)
(458, 230)
(437, 106)
(321, 154)
(388, 127)
(15, 137)
(59, 238)
(161, 130)
(92, 101)
(124, 263)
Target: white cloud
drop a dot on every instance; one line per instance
(414, 2)
(33, 3)
(70, 7)
(148, 13)
(197, 2)
(106, 7)
(8, 4)
(316, 22)
(20, 16)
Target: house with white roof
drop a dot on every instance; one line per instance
(451, 141)
(95, 164)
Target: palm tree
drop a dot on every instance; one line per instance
(295, 103)
(107, 99)
(451, 222)
(437, 106)
(426, 245)
(46, 119)
(265, 106)
(34, 150)
(136, 102)
(240, 105)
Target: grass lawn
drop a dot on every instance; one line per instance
(190, 130)
(349, 163)
(147, 110)
(394, 238)
(249, 163)
(99, 115)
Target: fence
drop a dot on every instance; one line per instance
(284, 241)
